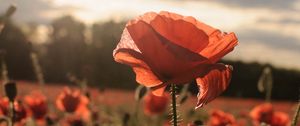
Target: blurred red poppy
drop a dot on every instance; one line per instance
(220, 118)
(167, 48)
(72, 102)
(37, 105)
(154, 105)
(20, 113)
(265, 113)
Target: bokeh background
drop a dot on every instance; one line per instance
(77, 37)
(67, 42)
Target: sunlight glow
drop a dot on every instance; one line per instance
(269, 21)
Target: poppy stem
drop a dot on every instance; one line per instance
(174, 109)
(37, 70)
(295, 119)
(11, 110)
(4, 76)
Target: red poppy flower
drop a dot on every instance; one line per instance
(167, 48)
(37, 104)
(265, 114)
(220, 118)
(154, 105)
(72, 102)
(20, 111)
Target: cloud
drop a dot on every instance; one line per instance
(283, 20)
(272, 39)
(28, 10)
(265, 46)
(268, 4)
(39, 11)
(254, 51)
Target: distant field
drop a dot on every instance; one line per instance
(113, 97)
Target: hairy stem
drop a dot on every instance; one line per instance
(174, 109)
(295, 119)
(12, 112)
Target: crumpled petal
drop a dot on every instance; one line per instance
(159, 89)
(154, 105)
(177, 29)
(144, 74)
(167, 60)
(219, 45)
(197, 33)
(213, 84)
(128, 53)
(191, 34)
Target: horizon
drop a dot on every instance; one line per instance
(268, 31)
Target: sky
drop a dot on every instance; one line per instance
(268, 30)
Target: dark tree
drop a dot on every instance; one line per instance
(66, 50)
(16, 52)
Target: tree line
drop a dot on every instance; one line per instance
(86, 53)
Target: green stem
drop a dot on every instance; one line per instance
(174, 109)
(136, 113)
(295, 119)
(11, 107)
(38, 71)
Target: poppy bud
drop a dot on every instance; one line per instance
(126, 118)
(49, 121)
(75, 121)
(198, 123)
(10, 90)
(183, 99)
(10, 11)
(140, 92)
(88, 95)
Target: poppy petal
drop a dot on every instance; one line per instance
(220, 118)
(127, 53)
(144, 74)
(163, 56)
(177, 29)
(280, 119)
(213, 84)
(191, 34)
(158, 90)
(154, 105)
(126, 42)
(219, 45)
(59, 103)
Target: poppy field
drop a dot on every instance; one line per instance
(142, 72)
(113, 107)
